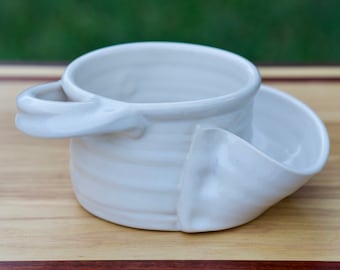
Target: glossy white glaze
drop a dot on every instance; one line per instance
(163, 137)
(228, 181)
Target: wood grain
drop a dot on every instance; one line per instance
(40, 218)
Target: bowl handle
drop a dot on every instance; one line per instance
(45, 111)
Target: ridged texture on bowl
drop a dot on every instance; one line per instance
(135, 182)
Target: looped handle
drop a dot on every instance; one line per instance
(45, 111)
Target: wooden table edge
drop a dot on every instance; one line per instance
(52, 72)
(168, 264)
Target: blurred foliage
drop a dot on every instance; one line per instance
(274, 31)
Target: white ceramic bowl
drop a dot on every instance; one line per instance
(132, 112)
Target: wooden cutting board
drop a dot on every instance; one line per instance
(40, 218)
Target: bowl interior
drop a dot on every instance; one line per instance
(161, 72)
(288, 131)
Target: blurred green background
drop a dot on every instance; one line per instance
(284, 31)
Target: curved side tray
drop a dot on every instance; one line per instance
(227, 181)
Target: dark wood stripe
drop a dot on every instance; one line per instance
(296, 64)
(29, 63)
(169, 265)
(258, 64)
(264, 79)
(301, 79)
(28, 78)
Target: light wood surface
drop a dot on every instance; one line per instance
(40, 218)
